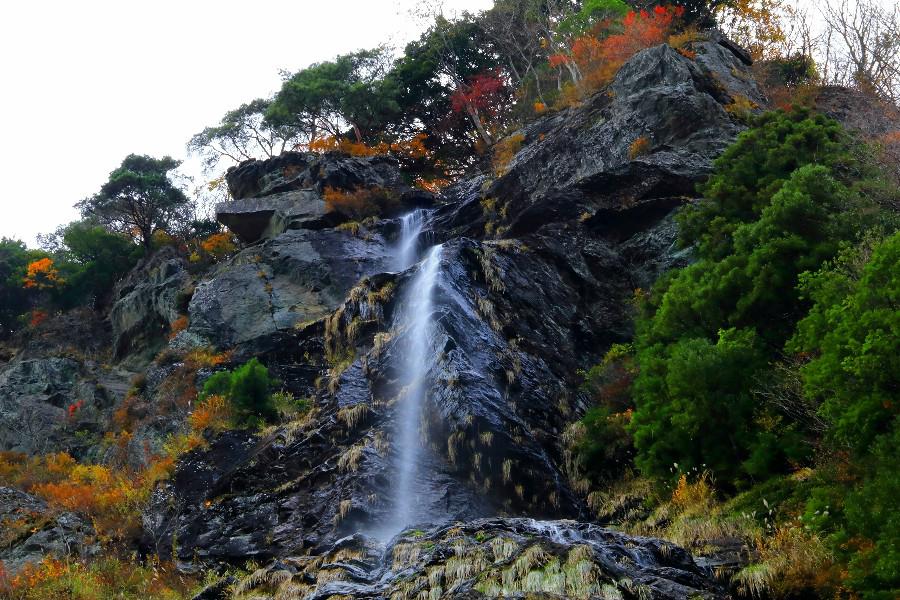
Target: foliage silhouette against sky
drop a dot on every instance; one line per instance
(88, 83)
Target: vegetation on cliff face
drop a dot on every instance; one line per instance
(775, 351)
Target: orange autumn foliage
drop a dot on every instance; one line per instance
(111, 497)
(639, 147)
(41, 274)
(97, 578)
(413, 148)
(178, 325)
(359, 203)
(37, 317)
(433, 184)
(213, 413)
(219, 245)
(599, 59)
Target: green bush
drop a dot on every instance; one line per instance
(92, 260)
(247, 390)
(852, 331)
(755, 167)
(708, 333)
(851, 334)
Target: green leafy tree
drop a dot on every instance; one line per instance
(752, 169)
(14, 259)
(851, 336)
(852, 333)
(138, 199)
(592, 12)
(351, 93)
(243, 134)
(768, 218)
(92, 261)
(445, 60)
(694, 407)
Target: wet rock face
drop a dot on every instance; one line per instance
(538, 266)
(31, 532)
(489, 558)
(513, 323)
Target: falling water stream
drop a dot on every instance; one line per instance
(411, 225)
(417, 358)
(413, 322)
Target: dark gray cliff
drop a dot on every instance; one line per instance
(537, 269)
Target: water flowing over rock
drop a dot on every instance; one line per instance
(490, 558)
(416, 317)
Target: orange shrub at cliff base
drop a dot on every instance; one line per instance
(219, 245)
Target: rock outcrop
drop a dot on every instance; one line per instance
(537, 268)
(147, 301)
(490, 558)
(286, 192)
(636, 149)
(58, 391)
(31, 531)
(256, 299)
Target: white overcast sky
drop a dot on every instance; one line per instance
(84, 83)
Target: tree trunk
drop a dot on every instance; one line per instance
(476, 120)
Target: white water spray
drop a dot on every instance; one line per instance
(411, 226)
(418, 354)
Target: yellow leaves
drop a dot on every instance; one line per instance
(504, 151)
(359, 203)
(741, 108)
(213, 413)
(757, 25)
(41, 275)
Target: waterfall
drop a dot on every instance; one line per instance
(418, 353)
(411, 226)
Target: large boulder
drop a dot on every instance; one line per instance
(260, 295)
(252, 219)
(291, 171)
(147, 301)
(286, 192)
